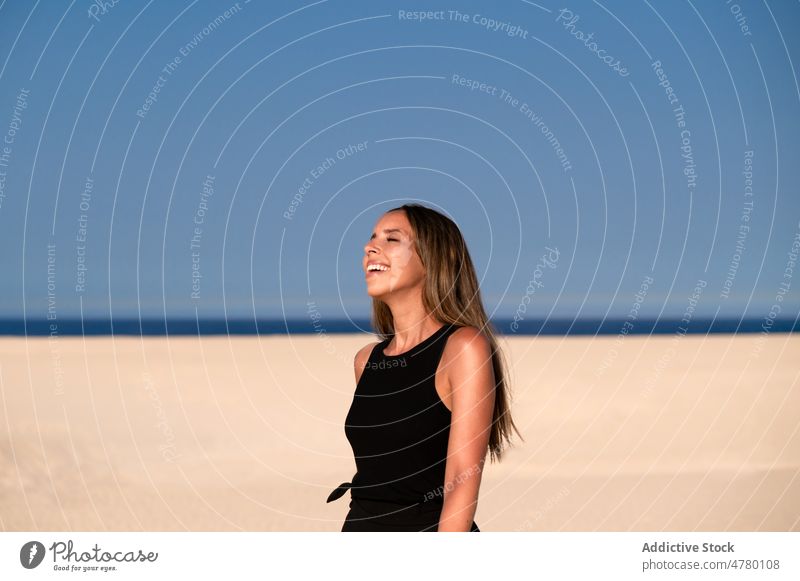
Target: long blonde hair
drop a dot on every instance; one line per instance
(452, 295)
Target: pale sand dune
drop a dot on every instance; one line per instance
(242, 433)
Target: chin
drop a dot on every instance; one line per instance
(375, 294)
(378, 291)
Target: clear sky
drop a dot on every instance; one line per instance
(231, 159)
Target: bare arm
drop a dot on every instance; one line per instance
(471, 380)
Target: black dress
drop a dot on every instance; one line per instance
(398, 428)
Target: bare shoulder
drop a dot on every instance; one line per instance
(361, 358)
(466, 363)
(468, 342)
(467, 348)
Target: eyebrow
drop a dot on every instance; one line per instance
(387, 231)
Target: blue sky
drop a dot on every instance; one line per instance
(167, 159)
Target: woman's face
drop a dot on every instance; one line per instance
(392, 247)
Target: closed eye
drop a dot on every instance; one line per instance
(371, 238)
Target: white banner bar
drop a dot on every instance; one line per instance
(533, 555)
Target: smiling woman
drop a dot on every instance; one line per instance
(431, 397)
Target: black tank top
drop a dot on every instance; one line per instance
(398, 426)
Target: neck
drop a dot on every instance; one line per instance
(413, 327)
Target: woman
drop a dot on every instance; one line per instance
(431, 397)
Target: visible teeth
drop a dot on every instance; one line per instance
(377, 267)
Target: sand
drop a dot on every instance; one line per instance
(666, 433)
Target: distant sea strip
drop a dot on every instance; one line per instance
(558, 327)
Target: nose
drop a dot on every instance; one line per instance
(370, 247)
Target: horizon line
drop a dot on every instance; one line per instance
(267, 326)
